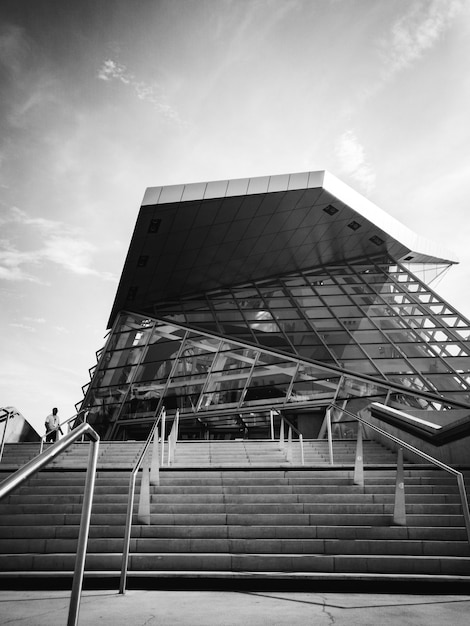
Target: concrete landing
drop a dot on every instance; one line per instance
(244, 608)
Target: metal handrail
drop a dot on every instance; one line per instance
(426, 457)
(32, 467)
(296, 430)
(130, 502)
(289, 439)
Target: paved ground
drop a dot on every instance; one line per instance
(222, 608)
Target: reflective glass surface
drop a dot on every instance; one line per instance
(271, 344)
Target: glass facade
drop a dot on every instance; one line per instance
(350, 332)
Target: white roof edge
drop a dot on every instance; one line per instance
(232, 187)
(371, 212)
(426, 251)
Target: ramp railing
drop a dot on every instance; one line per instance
(399, 514)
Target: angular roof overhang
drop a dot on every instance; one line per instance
(203, 236)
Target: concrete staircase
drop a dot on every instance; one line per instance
(112, 454)
(222, 511)
(267, 453)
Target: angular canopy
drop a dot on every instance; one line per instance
(195, 238)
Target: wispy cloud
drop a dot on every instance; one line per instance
(34, 320)
(61, 330)
(148, 92)
(111, 70)
(30, 329)
(13, 263)
(62, 245)
(416, 32)
(352, 161)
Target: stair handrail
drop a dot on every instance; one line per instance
(36, 464)
(426, 457)
(130, 497)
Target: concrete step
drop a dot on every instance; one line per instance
(401, 533)
(223, 498)
(229, 520)
(275, 545)
(240, 508)
(231, 562)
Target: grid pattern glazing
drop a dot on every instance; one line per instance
(150, 362)
(343, 332)
(374, 318)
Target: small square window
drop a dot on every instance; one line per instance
(354, 225)
(331, 210)
(143, 260)
(154, 225)
(377, 240)
(408, 258)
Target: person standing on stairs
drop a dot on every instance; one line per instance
(53, 426)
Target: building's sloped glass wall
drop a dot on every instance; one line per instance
(148, 363)
(303, 340)
(374, 318)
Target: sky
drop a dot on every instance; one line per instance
(99, 100)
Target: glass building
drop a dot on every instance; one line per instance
(244, 299)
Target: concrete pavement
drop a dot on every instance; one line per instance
(237, 608)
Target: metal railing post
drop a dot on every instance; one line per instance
(330, 440)
(271, 417)
(172, 439)
(155, 463)
(289, 445)
(143, 511)
(176, 432)
(169, 451)
(282, 443)
(464, 500)
(32, 467)
(281, 434)
(77, 581)
(130, 498)
(162, 435)
(127, 534)
(399, 510)
(359, 461)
